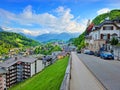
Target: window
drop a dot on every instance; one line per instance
(101, 36)
(95, 36)
(108, 28)
(114, 35)
(105, 37)
(35, 66)
(108, 36)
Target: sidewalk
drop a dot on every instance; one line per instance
(81, 77)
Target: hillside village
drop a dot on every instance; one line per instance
(25, 61)
(23, 65)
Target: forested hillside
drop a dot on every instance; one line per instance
(10, 40)
(80, 41)
(114, 14)
(47, 49)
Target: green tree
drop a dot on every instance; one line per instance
(113, 14)
(114, 41)
(47, 49)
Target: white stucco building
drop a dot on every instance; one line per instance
(102, 34)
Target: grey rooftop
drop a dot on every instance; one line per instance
(14, 60)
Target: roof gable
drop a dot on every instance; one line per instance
(106, 22)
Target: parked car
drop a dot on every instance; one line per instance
(78, 51)
(106, 55)
(86, 51)
(97, 53)
(89, 52)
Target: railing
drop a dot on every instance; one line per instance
(66, 81)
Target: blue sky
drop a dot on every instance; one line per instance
(36, 17)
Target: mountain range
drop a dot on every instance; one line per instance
(49, 36)
(1, 29)
(56, 36)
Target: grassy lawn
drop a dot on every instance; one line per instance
(49, 79)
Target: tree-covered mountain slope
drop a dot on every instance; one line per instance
(10, 40)
(113, 14)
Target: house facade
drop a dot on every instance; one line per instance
(2, 79)
(102, 34)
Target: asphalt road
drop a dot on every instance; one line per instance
(81, 77)
(107, 71)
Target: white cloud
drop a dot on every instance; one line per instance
(103, 10)
(27, 12)
(30, 32)
(64, 21)
(22, 30)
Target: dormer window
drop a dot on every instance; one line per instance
(108, 28)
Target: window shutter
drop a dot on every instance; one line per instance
(101, 36)
(108, 36)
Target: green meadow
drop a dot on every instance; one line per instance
(48, 79)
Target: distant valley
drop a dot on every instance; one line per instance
(48, 37)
